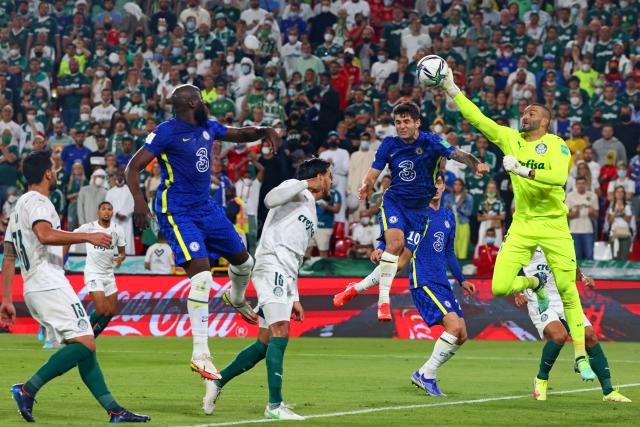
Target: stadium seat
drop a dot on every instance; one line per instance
(342, 246)
(338, 230)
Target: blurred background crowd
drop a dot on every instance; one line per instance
(90, 79)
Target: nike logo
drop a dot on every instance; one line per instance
(185, 139)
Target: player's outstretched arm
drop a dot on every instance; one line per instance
(7, 310)
(138, 162)
(471, 161)
(47, 235)
(253, 133)
(284, 192)
(368, 182)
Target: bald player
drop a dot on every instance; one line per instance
(196, 228)
(538, 163)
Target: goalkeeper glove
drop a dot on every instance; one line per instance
(449, 86)
(511, 164)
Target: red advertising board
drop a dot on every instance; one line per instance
(156, 306)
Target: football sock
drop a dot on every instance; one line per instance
(60, 362)
(275, 362)
(373, 279)
(600, 366)
(550, 353)
(198, 307)
(98, 322)
(566, 283)
(388, 268)
(444, 348)
(245, 360)
(91, 374)
(239, 275)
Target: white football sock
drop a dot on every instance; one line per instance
(198, 307)
(388, 269)
(445, 347)
(373, 279)
(239, 275)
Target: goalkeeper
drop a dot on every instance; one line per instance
(539, 164)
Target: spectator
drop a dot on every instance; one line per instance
(326, 209)
(627, 132)
(634, 167)
(76, 152)
(248, 189)
(90, 197)
(588, 158)
(623, 181)
(219, 182)
(7, 124)
(77, 180)
(277, 168)
(194, 11)
(583, 214)
(122, 159)
(8, 165)
(486, 254)
(619, 225)
(365, 235)
(339, 159)
(71, 88)
(582, 170)
(122, 201)
(59, 140)
(359, 164)
(491, 214)
(152, 182)
(234, 209)
(159, 258)
(577, 142)
(461, 204)
(607, 143)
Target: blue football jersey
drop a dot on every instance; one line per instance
(435, 252)
(184, 152)
(413, 167)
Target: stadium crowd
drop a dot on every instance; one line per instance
(90, 80)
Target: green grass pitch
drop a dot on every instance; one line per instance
(324, 377)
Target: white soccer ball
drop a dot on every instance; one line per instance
(431, 70)
(251, 42)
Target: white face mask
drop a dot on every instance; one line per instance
(191, 70)
(123, 40)
(265, 150)
(100, 74)
(270, 97)
(98, 181)
(293, 38)
(162, 29)
(575, 101)
(199, 56)
(84, 117)
(247, 181)
(585, 67)
(328, 37)
(231, 59)
(365, 220)
(14, 52)
(100, 52)
(325, 9)
(438, 129)
(79, 52)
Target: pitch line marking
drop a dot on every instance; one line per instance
(404, 407)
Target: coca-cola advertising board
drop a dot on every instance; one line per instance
(156, 306)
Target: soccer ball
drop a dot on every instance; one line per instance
(431, 70)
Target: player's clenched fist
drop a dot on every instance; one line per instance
(100, 239)
(511, 164)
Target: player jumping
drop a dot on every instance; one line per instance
(34, 235)
(196, 228)
(98, 273)
(431, 290)
(290, 224)
(413, 158)
(539, 166)
(551, 325)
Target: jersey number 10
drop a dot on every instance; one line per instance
(414, 238)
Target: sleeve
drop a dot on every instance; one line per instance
(122, 240)
(336, 198)
(38, 211)
(147, 256)
(218, 130)
(558, 173)
(495, 133)
(442, 147)
(382, 155)
(156, 141)
(284, 193)
(8, 238)
(452, 260)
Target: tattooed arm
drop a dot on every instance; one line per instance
(471, 161)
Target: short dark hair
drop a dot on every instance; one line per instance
(407, 109)
(35, 165)
(312, 168)
(581, 178)
(104, 202)
(546, 110)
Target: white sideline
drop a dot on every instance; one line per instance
(404, 407)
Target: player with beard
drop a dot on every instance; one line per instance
(538, 162)
(196, 228)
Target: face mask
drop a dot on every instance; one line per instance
(625, 117)
(229, 120)
(239, 148)
(624, 4)
(291, 92)
(507, 54)
(84, 117)
(333, 144)
(122, 40)
(622, 173)
(382, 58)
(31, 117)
(12, 198)
(348, 58)
(325, 9)
(79, 52)
(293, 15)
(55, 120)
(270, 97)
(367, 39)
(98, 181)
(227, 2)
(6, 139)
(157, 57)
(230, 59)
(199, 56)
(176, 51)
(491, 195)
(365, 221)
(14, 52)
(597, 119)
(293, 38)
(100, 74)
(38, 54)
(585, 67)
(575, 101)
(438, 128)
(574, 11)
(247, 181)
(535, 8)
(108, 27)
(364, 145)
(191, 70)
(191, 25)
(246, 69)
(328, 37)
(265, 151)
(491, 240)
(162, 29)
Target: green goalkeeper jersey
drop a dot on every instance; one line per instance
(549, 156)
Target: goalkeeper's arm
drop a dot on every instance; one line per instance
(557, 174)
(490, 129)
